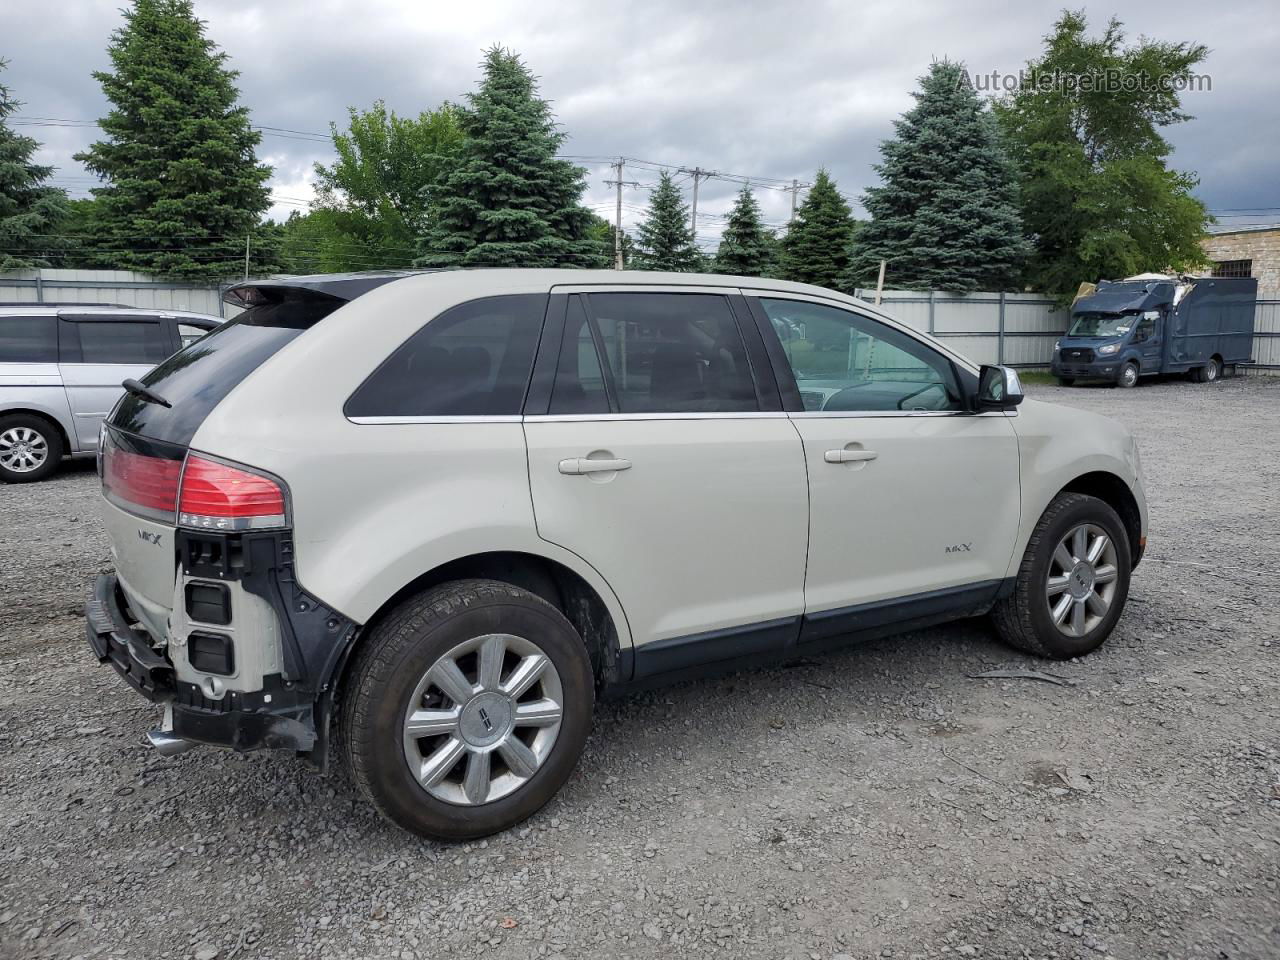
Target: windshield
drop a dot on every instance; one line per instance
(1101, 325)
(196, 379)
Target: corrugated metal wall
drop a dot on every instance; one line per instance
(109, 286)
(1266, 337)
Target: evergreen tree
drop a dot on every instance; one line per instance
(746, 248)
(946, 216)
(664, 241)
(31, 213)
(508, 202)
(183, 187)
(816, 246)
(1096, 194)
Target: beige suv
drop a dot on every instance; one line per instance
(431, 518)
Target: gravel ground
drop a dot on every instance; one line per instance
(874, 803)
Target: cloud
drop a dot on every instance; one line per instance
(771, 90)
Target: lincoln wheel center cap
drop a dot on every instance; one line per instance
(1080, 580)
(486, 719)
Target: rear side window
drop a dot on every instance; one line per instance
(122, 341)
(196, 379)
(28, 340)
(473, 360)
(672, 353)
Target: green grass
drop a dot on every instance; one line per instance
(1043, 377)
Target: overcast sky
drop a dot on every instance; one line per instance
(767, 90)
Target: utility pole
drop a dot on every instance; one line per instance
(794, 191)
(698, 175)
(617, 222)
(246, 255)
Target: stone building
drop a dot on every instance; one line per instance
(1252, 251)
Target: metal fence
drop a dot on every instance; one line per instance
(110, 286)
(1019, 329)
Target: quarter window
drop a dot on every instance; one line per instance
(672, 353)
(189, 333)
(472, 360)
(843, 361)
(28, 340)
(579, 386)
(114, 341)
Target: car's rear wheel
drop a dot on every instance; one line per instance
(30, 448)
(1073, 581)
(1209, 372)
(467, 709)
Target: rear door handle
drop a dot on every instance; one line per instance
(577, 466)
(848, 456)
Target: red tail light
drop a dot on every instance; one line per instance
(136, 481)
(216, 496)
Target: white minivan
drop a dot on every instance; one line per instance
(61, 369)
(430, 518)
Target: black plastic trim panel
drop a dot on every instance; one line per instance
(739, 648)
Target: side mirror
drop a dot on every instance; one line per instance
(998, 389)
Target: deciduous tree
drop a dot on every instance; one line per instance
(1097, 196)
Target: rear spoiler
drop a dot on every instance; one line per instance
(339, 286)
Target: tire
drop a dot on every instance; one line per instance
(391, 672)
(1128, 376)
(1211, 371)
(1066, 381)
(1025, 619)
(30, 448)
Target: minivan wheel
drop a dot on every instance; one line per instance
(1128, 375)
(30, 448)
(1073, 581)
(467, 709)
(1211, 371)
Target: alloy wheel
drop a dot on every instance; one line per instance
(1129, 375)
(1082, 579)
(483, 719)
(23, 449)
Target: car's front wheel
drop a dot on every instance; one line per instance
(467, 709)
(1073, 581)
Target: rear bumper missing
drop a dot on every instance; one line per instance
(275, 717)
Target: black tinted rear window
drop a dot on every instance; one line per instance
(196, 379)
(28, 339)
(472, 360)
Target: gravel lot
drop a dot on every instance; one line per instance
(875, 803)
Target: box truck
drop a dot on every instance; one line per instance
(1153, 324)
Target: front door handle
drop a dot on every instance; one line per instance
(848, 456)
(577, 466)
